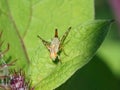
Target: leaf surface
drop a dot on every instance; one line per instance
(21, 22)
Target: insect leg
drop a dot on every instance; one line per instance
(46, 43)
(65, 53)
(61, 48)
(58, 57)
(60, 61)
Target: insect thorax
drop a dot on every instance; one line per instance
(55, 44)
(54, 48)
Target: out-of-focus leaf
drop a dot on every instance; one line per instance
(110, 53)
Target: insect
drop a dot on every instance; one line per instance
(55, 47)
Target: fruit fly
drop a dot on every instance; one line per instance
(55, 47)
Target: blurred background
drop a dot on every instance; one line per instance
(103, 71)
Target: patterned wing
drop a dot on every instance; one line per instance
(46, 43)
(65, 36)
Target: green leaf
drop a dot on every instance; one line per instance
(109, 52)
(84, 41)
(89, 77)
(46, 16)
(19, 11)
(23, 20)
(12, 36)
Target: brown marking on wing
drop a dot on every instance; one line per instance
(56, 33)
(65, 35)
(46, 43)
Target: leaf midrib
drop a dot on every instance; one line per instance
(17, 31)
